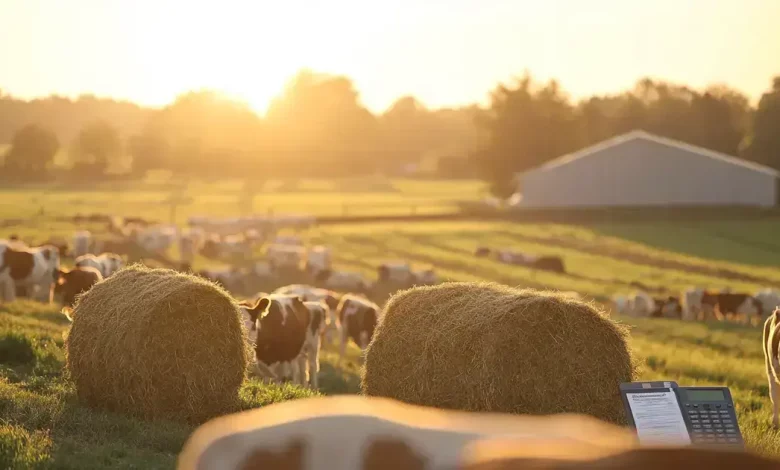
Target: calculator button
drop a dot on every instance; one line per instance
(717, 406)
(695, 406)
(695, 421)
(697, 426)
(692, 412)
(729, 426)
(733, 439)
(728, 421)
(707, 426)
(716, 421)
(730, 405)
(705, 421)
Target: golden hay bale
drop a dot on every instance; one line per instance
(155, 343)
(488, 347)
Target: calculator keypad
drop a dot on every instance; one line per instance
(713, 426)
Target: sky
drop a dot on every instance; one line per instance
(444, 52)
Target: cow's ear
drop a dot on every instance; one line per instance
(261, 307)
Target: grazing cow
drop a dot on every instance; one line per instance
(311, 347)
(28, 268)
(318, 259)
(547, 263)
(291, 240)
(156, 239)
(230, 279)
(728, 305)
(623, 304)
(285, 256)
(691, 304)
(72, 283)
(508, 256)
(345, 281)
(282, 326)
(426, 277)
(770, 300)
(81, 243)
(771, 345)
(358, 317)
(642, 305)
(332, 328)
(668, 307)
(106, 263)
(398, 272)
(262, 269)
(190, 243)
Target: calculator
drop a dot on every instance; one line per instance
(665, 413)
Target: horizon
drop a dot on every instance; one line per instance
(388, 51)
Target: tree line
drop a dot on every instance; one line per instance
(317, 126)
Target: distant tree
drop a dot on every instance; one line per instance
(320, 126)
(149, 150)
(96, 147)
(526, 125)
(32, 149)
(763, 144)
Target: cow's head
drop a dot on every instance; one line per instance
(51, 257)
(69, 284)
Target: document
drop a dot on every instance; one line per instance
(658, 418)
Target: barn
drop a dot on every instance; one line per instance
(641, 169)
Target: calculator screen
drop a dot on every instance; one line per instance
(705, 395)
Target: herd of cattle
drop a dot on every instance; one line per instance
(701, 304)
(288, 325)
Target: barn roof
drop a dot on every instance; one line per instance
(639, 134)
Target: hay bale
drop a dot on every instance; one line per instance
(155, 343)
(487, 347)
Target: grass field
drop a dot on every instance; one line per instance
(360, 196)
(41, 421)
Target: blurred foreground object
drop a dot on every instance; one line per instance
(352, 433)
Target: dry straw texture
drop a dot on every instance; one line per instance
(155, 343)
(487, 347)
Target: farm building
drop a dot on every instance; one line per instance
(640, 169)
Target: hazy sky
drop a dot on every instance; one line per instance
(445, 52)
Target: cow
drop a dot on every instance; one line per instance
(771, 343)
(425, 277)
(547, 263)
(155, 239)
(666, 307)
(344, 281)
(398, 272)
(332, 328)
(727, 305)
(71, 283)
(291, 240)
(285, 256)
(190, 243)
(358, 317)
(691, 303)
(283, 323)
(106, 263)
(769, 298)
(82, 242)
(230, 278)
(318, 259)
(482, 252)
(314, 334)
(28, 268)
(372, 433)
(642, 305)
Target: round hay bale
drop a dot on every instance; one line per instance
(155, 343)
(488, 347)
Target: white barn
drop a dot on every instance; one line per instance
(641, 169)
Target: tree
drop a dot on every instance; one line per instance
(97, 146)
(763, 143)
(32, 149)
(526, 126)
(319, 124)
